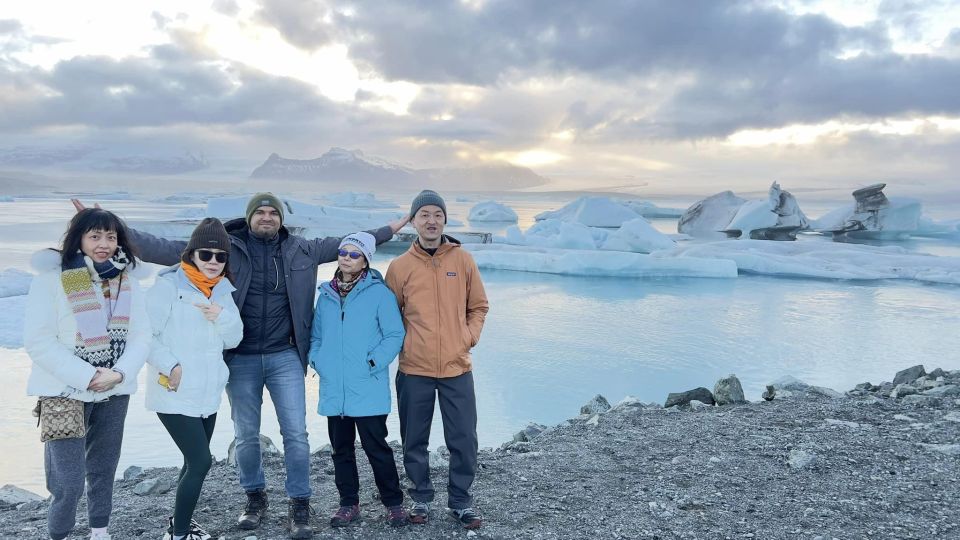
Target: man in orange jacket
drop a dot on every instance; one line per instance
(441, 297)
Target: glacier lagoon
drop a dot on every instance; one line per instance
(551, 342)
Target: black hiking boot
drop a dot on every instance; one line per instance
(298, 516)
(255, 510)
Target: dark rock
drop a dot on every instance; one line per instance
(769, 393)
(682, 398)
(155, 486)
(903, 390)
(936, 373)
(947, 390)
(728, 391)
(597, 405)
(909, 375)
(13, 495)
(532, 431)
(132, 472)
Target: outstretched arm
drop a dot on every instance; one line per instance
(325, 249)
(150, 248)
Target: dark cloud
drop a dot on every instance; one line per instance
(301, 23)
(226, 7)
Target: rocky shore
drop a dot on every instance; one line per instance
(879, 461)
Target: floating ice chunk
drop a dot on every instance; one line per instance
(822, 259)
(350, 199)
(14, 282)
(492, 211)
(873, 215)
(649, 210)
(708, 217)
(593, 263)
(639, 236)
(777, 217)
(592, 212)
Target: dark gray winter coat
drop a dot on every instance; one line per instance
(300, 258)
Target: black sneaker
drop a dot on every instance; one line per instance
(467, 517)
(255, 510)
(298, 517)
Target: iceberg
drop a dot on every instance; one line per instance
(592, 212)
(778, 217)
(636, 235)
(14, 282)
(872, 216)
(591, 263)
(350, 199)
(651, 211)
(492, 211)
(817, 258)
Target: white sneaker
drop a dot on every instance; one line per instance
(99, 536)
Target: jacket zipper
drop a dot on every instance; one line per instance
(436, 289)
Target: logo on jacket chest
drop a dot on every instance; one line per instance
(451, 274)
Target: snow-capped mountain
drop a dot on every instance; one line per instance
(355, 167)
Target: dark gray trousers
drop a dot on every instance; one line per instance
(93, 458)
(458, 408)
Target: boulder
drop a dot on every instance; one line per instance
(682, 398)
(936, 374)
(12, 495)
(132, 472)
(824, 391)
(920, 400)
(947, 390)
(324, 450)
(155, 486)
(266, 447)
(597, 405)
(728, 391)
(532, 431)
(909, 375)
(791, 383)
(769, 394)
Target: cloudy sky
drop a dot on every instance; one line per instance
(678, 95)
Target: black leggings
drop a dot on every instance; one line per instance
(192, 435)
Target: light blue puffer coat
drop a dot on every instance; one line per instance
(352, 345)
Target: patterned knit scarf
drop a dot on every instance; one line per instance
(99, 296)
(344, 287)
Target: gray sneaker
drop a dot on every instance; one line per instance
(419, 513)
(467, 517)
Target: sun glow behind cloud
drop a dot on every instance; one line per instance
(807, 134)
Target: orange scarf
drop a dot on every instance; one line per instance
(198, 278)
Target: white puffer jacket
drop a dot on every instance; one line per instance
(182, 335)
(49, 337)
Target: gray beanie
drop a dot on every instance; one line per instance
(428, 197)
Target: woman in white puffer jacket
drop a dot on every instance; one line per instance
(194, 319)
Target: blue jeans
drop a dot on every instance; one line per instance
(282, 374)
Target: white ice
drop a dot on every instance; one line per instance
(650, 211)
(14, 282)
(636, 235)
(594, 263)
(492, 211)
(727, 212)
(901, 218)
(592, 212)
(823, 259)
(351, 199)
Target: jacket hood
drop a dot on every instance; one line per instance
(48, 260)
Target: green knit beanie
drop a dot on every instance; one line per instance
(264, 199)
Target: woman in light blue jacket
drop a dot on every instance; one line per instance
(194, 319)
(357, 332)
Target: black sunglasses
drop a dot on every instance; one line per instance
(352, 254)
(205, 255)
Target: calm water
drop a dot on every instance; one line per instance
(552, 342)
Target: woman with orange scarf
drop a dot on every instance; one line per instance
(194, 319)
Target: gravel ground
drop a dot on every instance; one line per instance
(805, 465)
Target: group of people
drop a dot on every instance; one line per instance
(235, 311)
